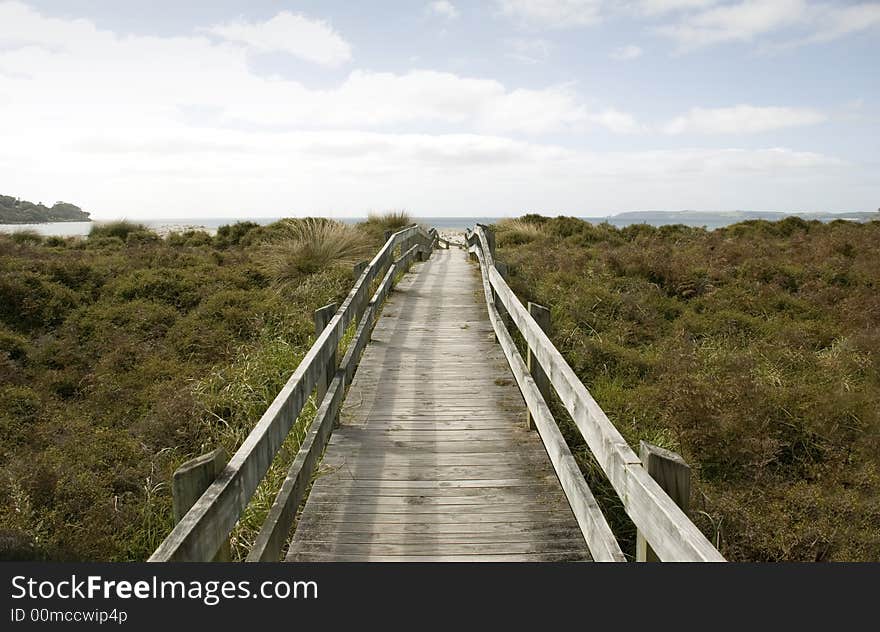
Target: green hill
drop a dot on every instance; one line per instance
(15, 211)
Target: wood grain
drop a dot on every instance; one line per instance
(432, 460)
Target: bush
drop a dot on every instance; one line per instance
(752, 350)
(28, 301)
(167, 285)
(121, 229)
(26, 237)
(232, 234)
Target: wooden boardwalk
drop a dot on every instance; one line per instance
(432, 460)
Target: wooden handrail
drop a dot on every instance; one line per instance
(204, 528)
(664, 525)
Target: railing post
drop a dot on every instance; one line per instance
(358, 269)
(190, 481)
(674, 477)
(356, 272)
(490, 238)
(505, 317)
(322, 317)
(386, 236)
(541, 315)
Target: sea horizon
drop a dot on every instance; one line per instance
(707, 219)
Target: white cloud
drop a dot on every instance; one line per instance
(443, 9)
(660, 7)
(788, 22)
(617, 121)
(312, 40)
(626, 53)
(837, 21)
(181, 126)
(737, 22)
(742, 119)
(553, 13)
(529, 50)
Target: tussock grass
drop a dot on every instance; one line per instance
(518, 231)
(312, 245)
(27, 237)
(378, 223)
(121, 229)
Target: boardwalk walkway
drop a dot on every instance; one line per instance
(432, 461)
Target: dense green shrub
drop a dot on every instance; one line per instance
(753, 350)
(119, 354)
(232, 234)
(121, 229)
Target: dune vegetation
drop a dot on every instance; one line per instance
(124, 354)
(752, 350)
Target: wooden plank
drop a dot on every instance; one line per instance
(575, 556)
(438, 548)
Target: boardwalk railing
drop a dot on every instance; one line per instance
(205, 528)
(659, 520)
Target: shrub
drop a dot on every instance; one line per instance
(751, 350)
(232, 234)
(26, 237)
(28, 301)
(167, 285)
(120, 229)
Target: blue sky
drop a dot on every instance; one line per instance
(584, 107)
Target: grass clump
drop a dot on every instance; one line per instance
(378, 223)
(27, 237)
(314, 244)
(511, 232)
(121, 229)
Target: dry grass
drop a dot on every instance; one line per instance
(377, 224)
(518, 231)
(391, 220)
(313, 245)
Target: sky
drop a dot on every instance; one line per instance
(165, 109)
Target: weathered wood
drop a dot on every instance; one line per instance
(412, 459)
(672, 535)
(541, 315)
(674, 476)
(204, 528)
(358, 269)
(190, 481)
(272, 537)
(594, 528)
(322, 318)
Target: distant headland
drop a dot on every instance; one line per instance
(16, 211)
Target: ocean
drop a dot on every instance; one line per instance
(708, 220)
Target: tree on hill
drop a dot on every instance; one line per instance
(16, 211)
